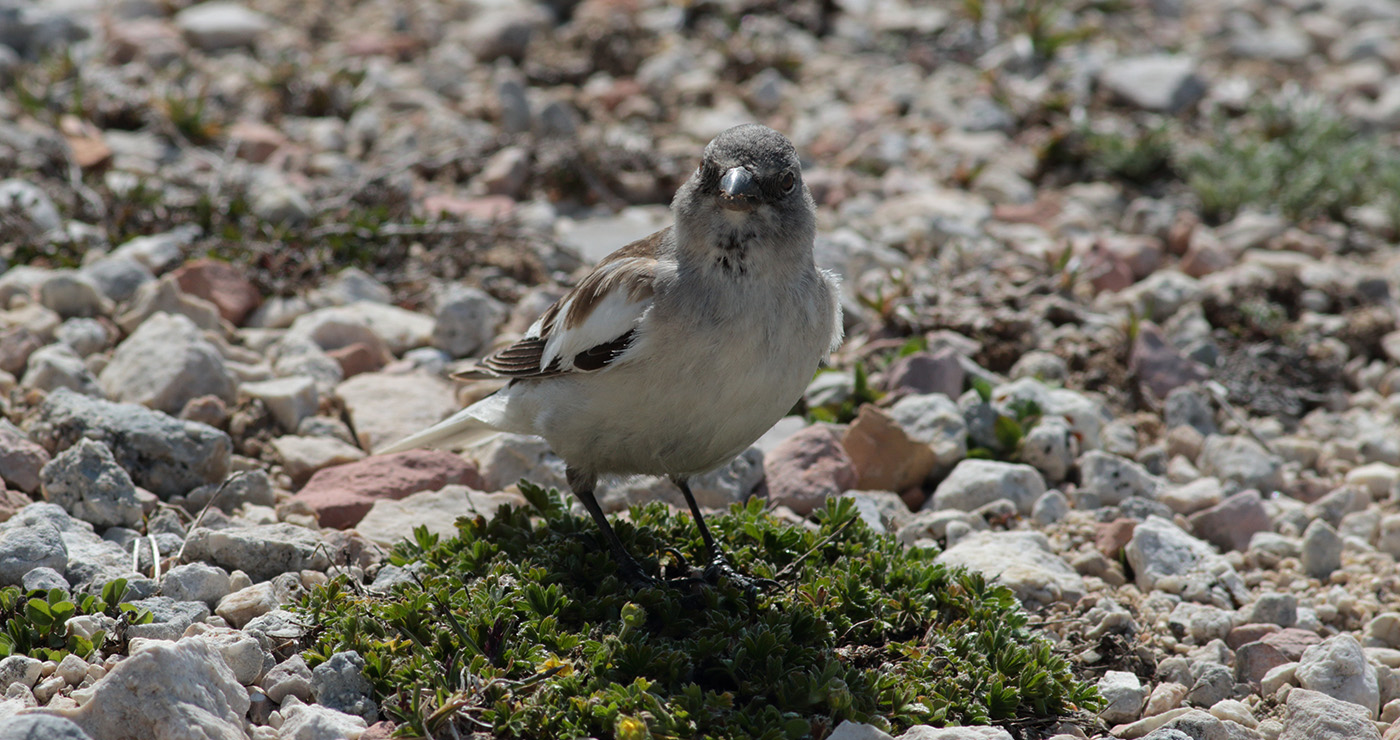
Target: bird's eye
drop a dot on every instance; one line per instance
(788, 181)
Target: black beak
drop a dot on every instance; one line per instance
(738, 191)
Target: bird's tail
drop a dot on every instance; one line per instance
(462, 429)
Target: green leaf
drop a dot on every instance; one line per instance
(982, 386)
(38, 612)
(1008, 433)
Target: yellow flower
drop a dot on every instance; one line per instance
(631, 728)
(553, 661)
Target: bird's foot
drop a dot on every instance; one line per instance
(631, 572)
(719, 570)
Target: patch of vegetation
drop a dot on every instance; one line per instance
(845, 409)
(34, 622)
(1008, 429)
(1305, 161)
(521, 628)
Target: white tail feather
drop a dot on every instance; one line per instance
(459, 430)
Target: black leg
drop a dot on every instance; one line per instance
(583, 486)
(719, 565)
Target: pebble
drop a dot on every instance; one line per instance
(1124, 696)
(1023, 561)
(221, 25)
(1160, 82)
(87, 482)
(385, 408)
(807, 468)
(339, 684)
(389, 521)
(1230, 524)
(342, 495)
(1338, 668)
(465, 320)
(1243, 461)
(975, 483)
(884, 456)
(1312, 715)
(1322, 550)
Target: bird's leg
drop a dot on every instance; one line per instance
(582, 486)
(719, 564)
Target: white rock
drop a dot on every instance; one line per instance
(242, 606)
(221, 25)
(1316, 716)
(933, 419)
(849, 730)
(466, 320)
(506, 458)
(87, 482)
(389, 521)
(399, 329)
(975, 483)
(1159, 552)
(290, 399)
(240, 650)
(1242, 460)
(1377, 477)
(1124, 695)
(1278, 677)
(58, 366)
(19, 669)
(301, 457)
(1023, 561)
(315, 722)
(164, 364)
(385, 408)
(975, 732)
(1159, 82)
(1050, 447)
(1115, 478)
(198, 696)
(1338, 668)
(70, 293)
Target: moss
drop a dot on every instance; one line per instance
(520, 627)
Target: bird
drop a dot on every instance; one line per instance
(678, 350)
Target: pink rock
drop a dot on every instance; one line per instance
(221, 284)
(485, 208)
(927, 372)
(1292, 641)
(16, 345)
(1158, 365)
(807, 468)
(1205, 254)
(1108, 271)
(256, 141)
(1229, 524)
(1247, 633)
(11, 502)
(341, 496)
(886, 459)
(1255, 659)
(1141, 252)
(20, 461)
(359, 358)
(1111, 537)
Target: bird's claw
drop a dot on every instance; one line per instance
(719, 568)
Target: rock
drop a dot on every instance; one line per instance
(21, 461)
(1160, 82)
(389, 521)
(291, 677)
(315, 722)
(41, 727)
(1113, 478)
(1189, 498)
(1051, 448)
(289, 399)
(1322, 550)
(1214, 683)
(17, 345)
(733, 483)
(118, 277)
(29, 206)
(974, 732)
(246, 604)
(87, 482)
(1159, 366)
(1292, 642)
(1050, 508)
(399, 329)
(164, 364)
(1254, 660)
(1273, 608)
(164, 296)
(84, 336)
(1243, 461)
(171, 617)
(849, 730)
(922, 373)
(70, 293)
(507, 458)
(885, 458)
(221, 25)
(196, 582)
(198, 694)
(385, 408)
(466, 320)
(240, 651)
(263, 551)
(221, 284)
(283, 204)
(1338, 668)
(58, 366)
(19, 669)
(506, 173)
(244, 487)
(807, 468)
(161, 454)
(934, 419)
(303, 457)
(1312, 715)
(1159, 550)
(1024, 561)
(975, 483)
(339, 683)
(25, 548)
(341, 496)
(1230, 524)
(1124, 696)
(44, 579)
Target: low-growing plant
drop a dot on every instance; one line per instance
(34, 622)
(520, 627)
(1008, 429)
(844, 410)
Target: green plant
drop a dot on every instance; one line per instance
(520, 627)
(1008, 429)
(844, 410)
(34, 621)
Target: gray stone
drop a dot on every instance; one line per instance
(221, 25)
(1322, 550)
(1124, 696)
(44, 579)
(164, 364)
(1160, 552)
(170, 617)
(58, 366)
(1272, 608)
(1050, 508)
(975, 483)
(87, 482)
(196, 582)
(289, 399)
(1214, 683)
(1313, 715)
(27, 207)
(935, 420)
(70, 293)
(1113, 478)
(23, 549)
(340, 683)
(118, 277)
(731, 484)
(1050, 447)
(1160, 82)
(1243, 461)
(19, 669)
(244, 487)
(83, 335)
(161, 454)
(263, 551)
(1190, 405)
(281, 203)
(467, 319)
(41, 727)
(1338, 668)
(1024, 561)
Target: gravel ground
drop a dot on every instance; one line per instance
(1119, 282)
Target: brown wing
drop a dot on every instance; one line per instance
(629, 269)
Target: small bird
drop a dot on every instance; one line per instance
(680, 349)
